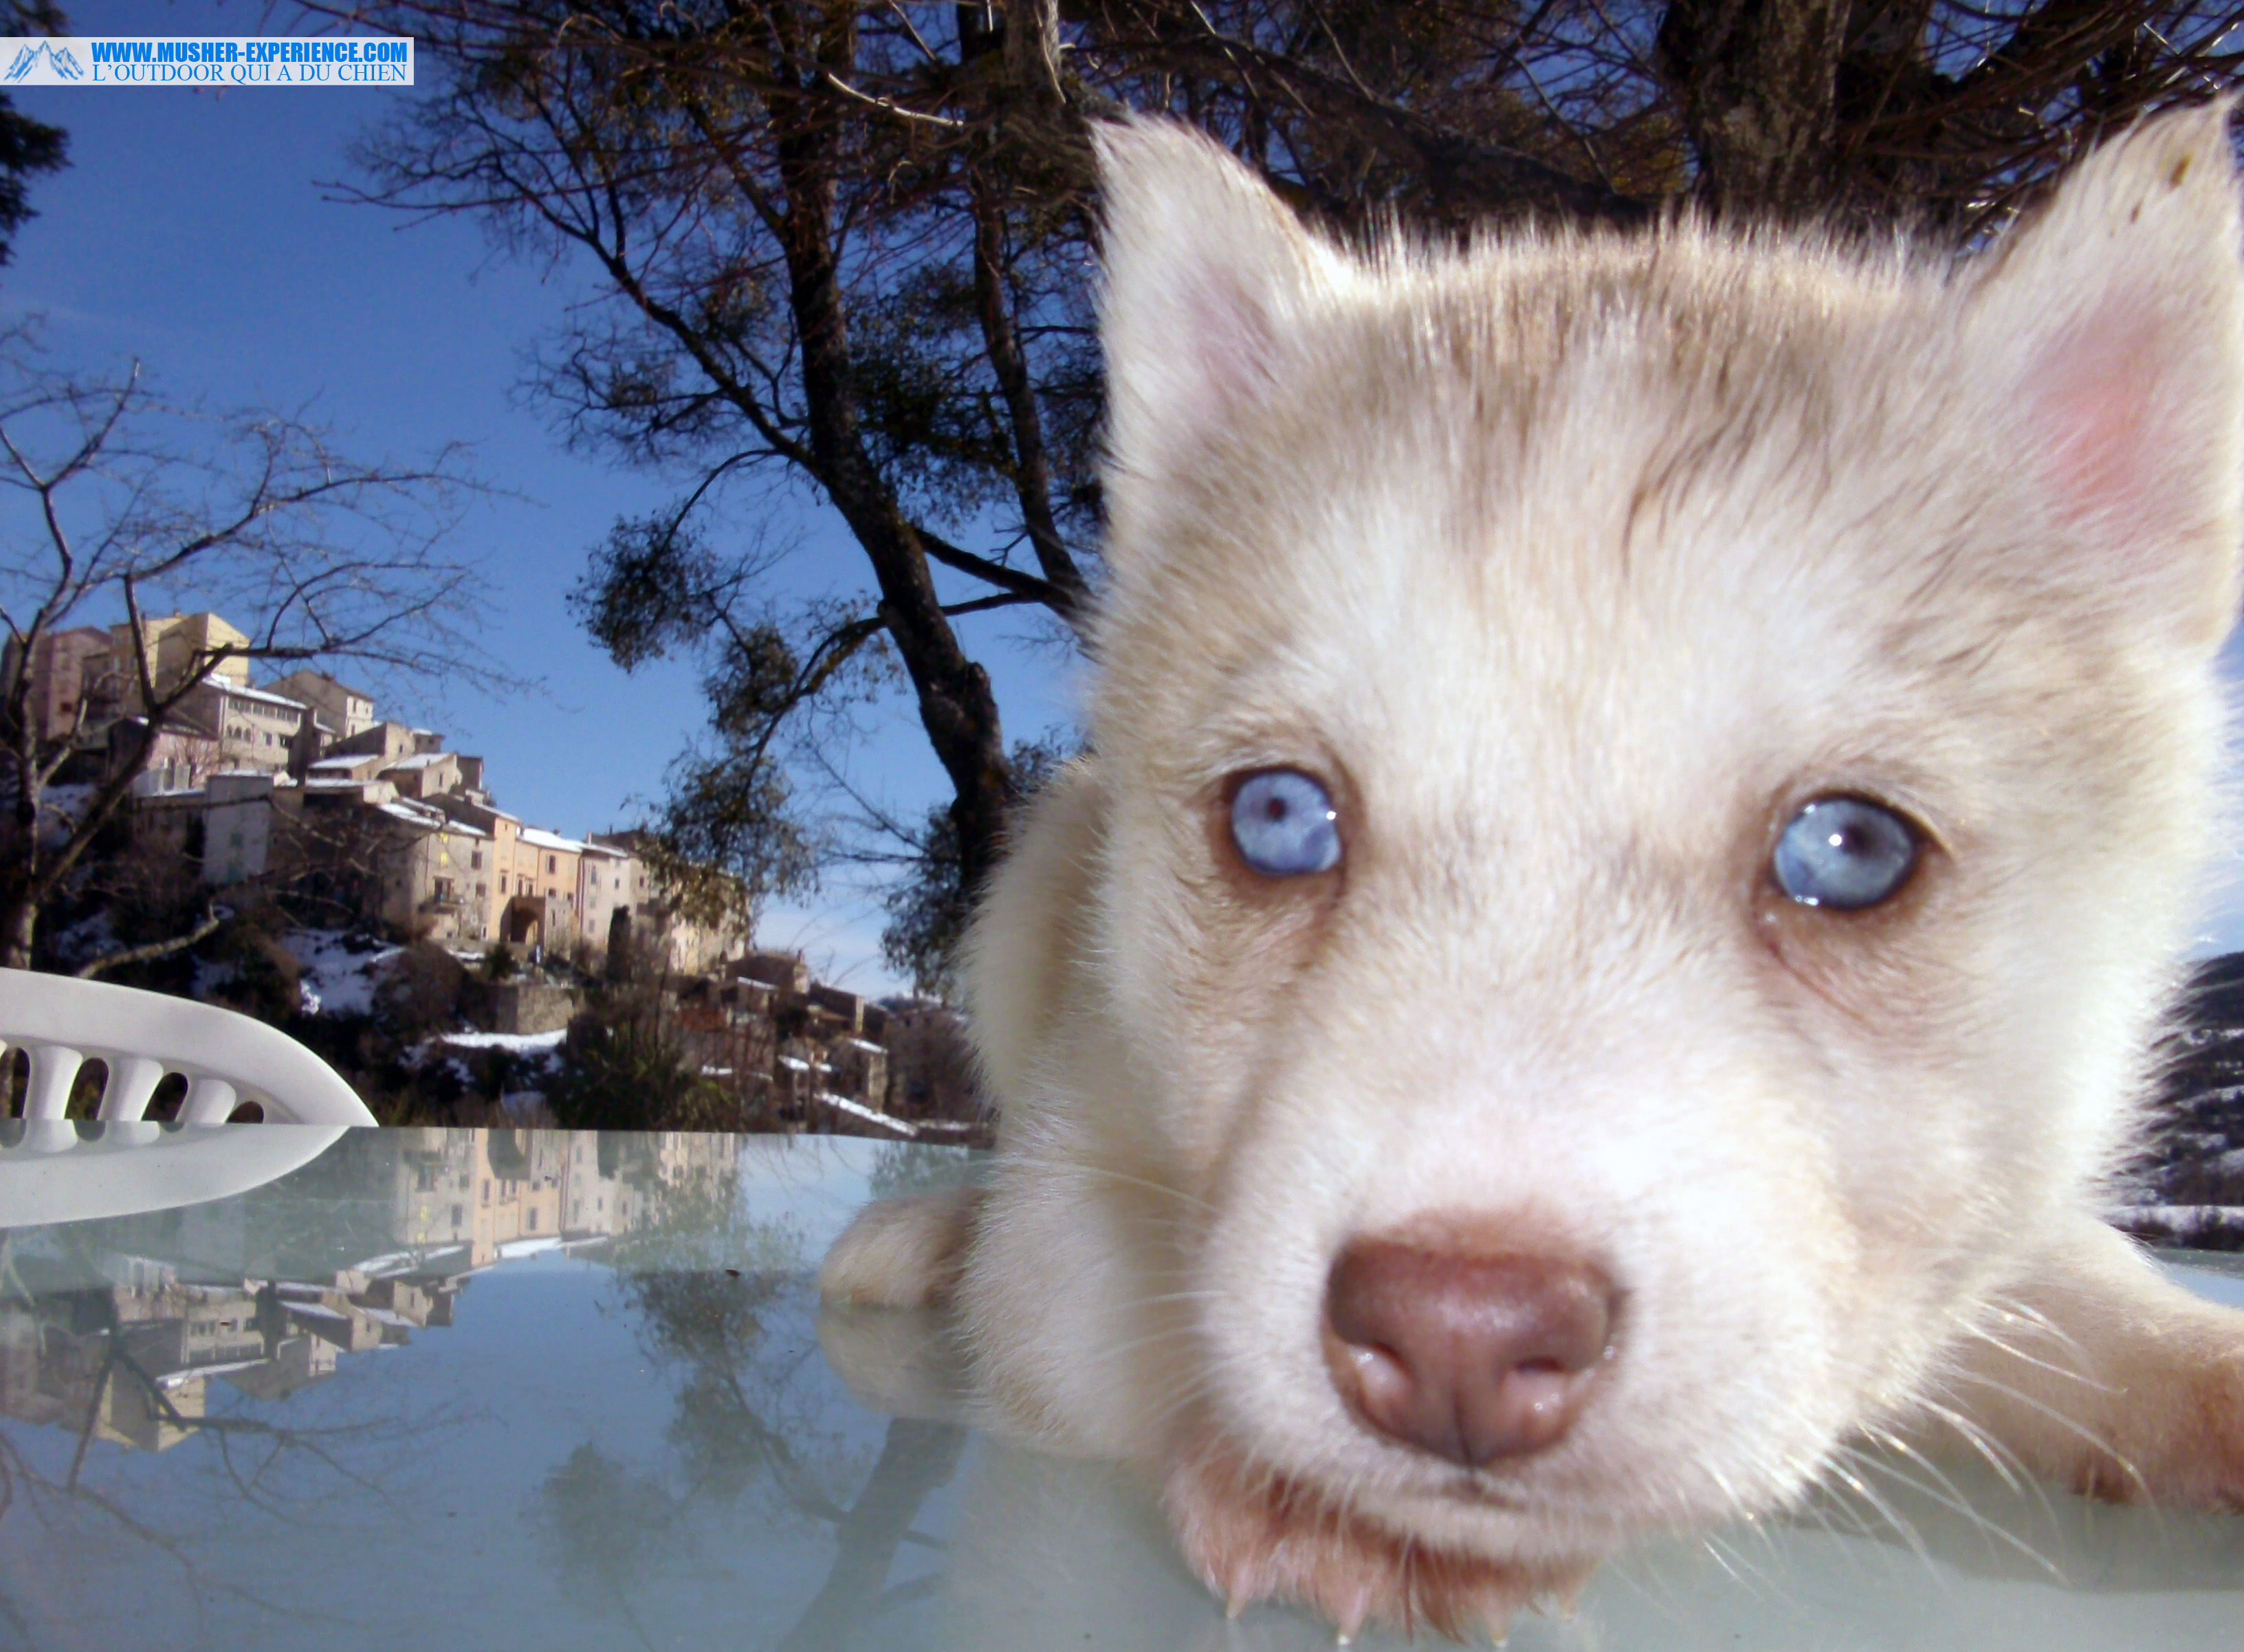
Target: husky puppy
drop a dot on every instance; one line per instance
(1647, 789)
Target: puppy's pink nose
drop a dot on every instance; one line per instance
(1471, 1357)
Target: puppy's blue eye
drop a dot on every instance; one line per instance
(1845, 853)
(1284, 824)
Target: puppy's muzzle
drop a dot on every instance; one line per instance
(1469, 1356)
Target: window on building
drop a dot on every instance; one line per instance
(475, 859)
(530, 1221)
(553, 864)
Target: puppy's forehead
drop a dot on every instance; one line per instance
(1479, 499)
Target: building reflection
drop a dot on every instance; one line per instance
(130, 1359)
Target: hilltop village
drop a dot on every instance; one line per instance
(299, 784)
(408, 890)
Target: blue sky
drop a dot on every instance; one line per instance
(192, 231)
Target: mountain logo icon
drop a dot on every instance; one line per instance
(60, 64)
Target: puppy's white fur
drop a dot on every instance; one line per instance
(1576, 564)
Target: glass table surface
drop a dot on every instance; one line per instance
(500, 1389)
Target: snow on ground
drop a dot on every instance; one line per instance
(339, 969)
(60, 809)
(89, 938)
(520, 1043)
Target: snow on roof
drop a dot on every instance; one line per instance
(521, 1043)
(388, 1262)
(341, 763)
(174, 1378)
(415, 813)
(538, 837)
(859, 1111)
(428, 817)
(421, 760)
(244, 691)
(591, 848)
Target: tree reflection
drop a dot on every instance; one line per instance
(608, 1528)
(107, 1363)
(724, 1302)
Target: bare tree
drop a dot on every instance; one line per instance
(120, 502)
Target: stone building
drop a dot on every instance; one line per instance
(254, 727)
(345, 711)
(179, 760)
(177, 645)
(544, 903)
(428, 873)
(57, 671)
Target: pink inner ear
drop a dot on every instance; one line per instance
(1228, 337)
(2097, 401)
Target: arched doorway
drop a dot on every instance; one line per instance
(523, 924)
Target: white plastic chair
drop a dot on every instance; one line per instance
(56, 1170)
(141, 1037)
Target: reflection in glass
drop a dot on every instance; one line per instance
(584, 1360)
(463, 1388)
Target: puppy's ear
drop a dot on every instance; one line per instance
(2114, 321)
(1204, 269)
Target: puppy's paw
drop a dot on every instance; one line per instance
(2102, 1373)
(2175, 1432)
(899, 1364)
(1251, 1535)
(902, 1253)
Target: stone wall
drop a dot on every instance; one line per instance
(531, 1007)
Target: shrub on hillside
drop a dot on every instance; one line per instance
(626, 1073)
(419, 992)
(256, 973)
